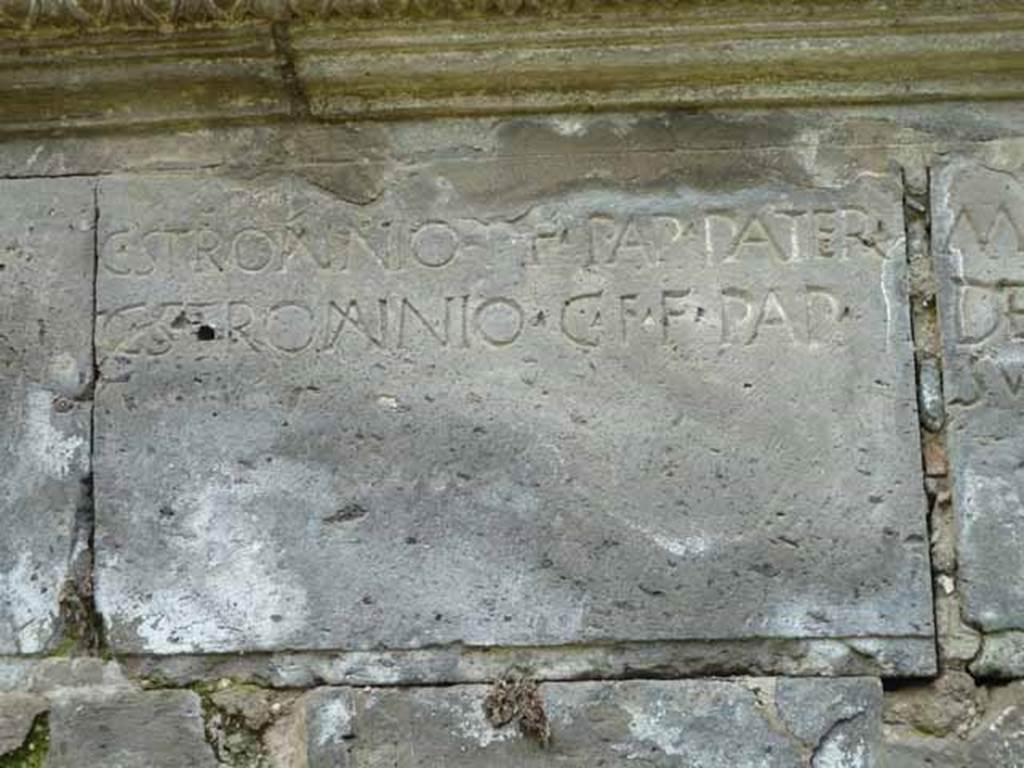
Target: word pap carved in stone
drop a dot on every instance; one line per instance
(804, 316)
(660, 271)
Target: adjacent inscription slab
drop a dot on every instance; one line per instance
(979, 215)
(738, 723)
(46, 267)
(454, 416)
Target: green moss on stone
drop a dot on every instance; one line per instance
(66, 648)
(31, 754)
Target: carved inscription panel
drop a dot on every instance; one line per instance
(607, 415)
(978, 231)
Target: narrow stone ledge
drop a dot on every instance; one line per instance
(883, 656)
(43, 676)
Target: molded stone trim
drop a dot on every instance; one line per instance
(77, 64)
(85, 14)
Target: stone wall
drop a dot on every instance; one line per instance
(659, 436)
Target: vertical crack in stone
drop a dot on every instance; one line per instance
(829, 740)
(297, 97)
(926, 345)
(924, 314)
(81, 627)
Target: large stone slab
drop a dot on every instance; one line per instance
(522, 400)
(46, 291)
(978, 214)
(739, 723)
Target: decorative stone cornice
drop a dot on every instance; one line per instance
(73, 64)
(98, 14)
(85, 15)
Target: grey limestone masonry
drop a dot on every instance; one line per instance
(709, 723)
(789, 723)
(599, 414)
(128, 729)
(660, 438)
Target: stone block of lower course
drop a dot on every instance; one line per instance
(737, 723)
(127, 729)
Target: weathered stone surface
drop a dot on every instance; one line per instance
(978, 212)
(739, 723)
(841, 718)
(999, 741)
(908, 135)
(155, 729)
(995, 741)
(46, 267)
(18, 712)
(515, 400)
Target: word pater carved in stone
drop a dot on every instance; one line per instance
(605, 415)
